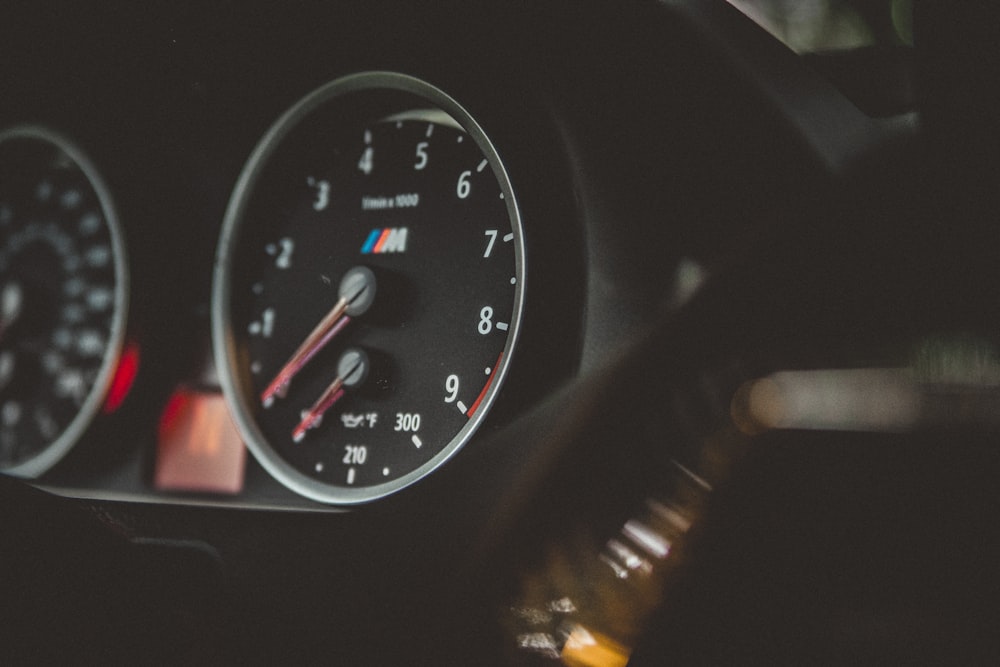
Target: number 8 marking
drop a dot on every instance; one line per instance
(485, 320)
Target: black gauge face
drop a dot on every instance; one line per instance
(62, 297)
(368, 289)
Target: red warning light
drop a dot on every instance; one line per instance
(121, 383)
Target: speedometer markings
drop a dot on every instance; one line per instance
(430, 130)
(43, 192)
(351, 473)
(417, 442)
(461, 407)
(482, 165)
(71, 199)
(482, 394)
(502, 326)
(90, 224)
(507, 238)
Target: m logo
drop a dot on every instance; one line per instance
(381, 241)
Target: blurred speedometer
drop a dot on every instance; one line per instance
(63, 297)
(369, 287)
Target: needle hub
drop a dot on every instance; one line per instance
(357, 287)
(352, 370)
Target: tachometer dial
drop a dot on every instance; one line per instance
(63, 297)
(368, 288)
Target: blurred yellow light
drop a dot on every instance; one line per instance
(585, 648)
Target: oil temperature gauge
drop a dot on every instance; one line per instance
(63, 297)
(368, 287)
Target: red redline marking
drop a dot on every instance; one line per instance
(486, 387)
(381, 240)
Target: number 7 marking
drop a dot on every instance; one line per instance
(492, 233)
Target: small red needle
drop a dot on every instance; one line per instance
(357, 291)
(352, 370)
(314, 415)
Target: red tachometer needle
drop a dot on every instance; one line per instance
(357, 292)
(324, 332)
(352, 370)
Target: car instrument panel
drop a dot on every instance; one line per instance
(354, 270)
(368, 292)
(398, 331)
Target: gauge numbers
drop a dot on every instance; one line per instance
(369, 288)
(63, 295)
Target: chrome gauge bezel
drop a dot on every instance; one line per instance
(439, 105)
(71, 435)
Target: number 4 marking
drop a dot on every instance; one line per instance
(492, 233)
